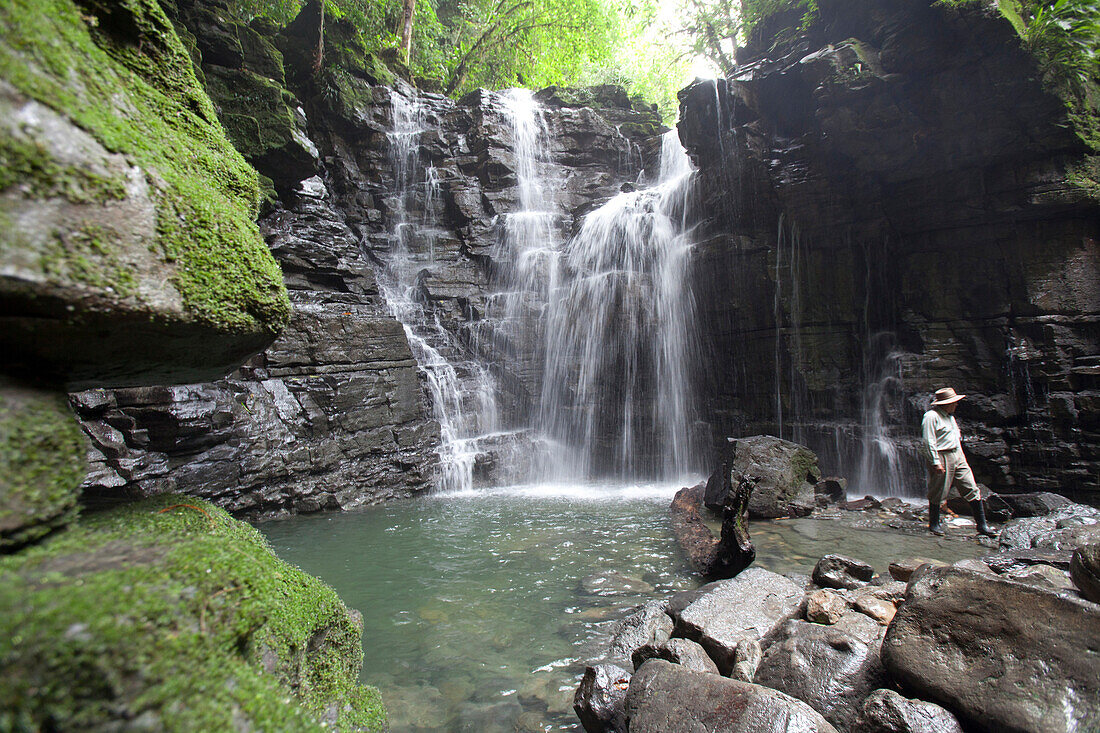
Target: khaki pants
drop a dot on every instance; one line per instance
(956, 473)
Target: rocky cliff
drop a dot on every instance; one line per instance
(896, 192)
(371, 186)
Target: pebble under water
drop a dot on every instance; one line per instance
(480, 609)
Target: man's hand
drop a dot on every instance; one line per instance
(939, 470)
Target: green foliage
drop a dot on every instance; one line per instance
(168, 614)
(1065, 36)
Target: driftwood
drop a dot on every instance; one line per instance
(714, 557)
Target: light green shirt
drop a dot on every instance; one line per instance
(940, 432)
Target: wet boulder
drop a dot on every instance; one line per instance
(667, 698)
(902, 570)
(825, 607)
(684, 652)
(785, 475)
(1065, 528)
(723, 613)
(1084, 569)
(885, 711)
(714, 557)
(998, 653)
(648, 625)
(600, 699)
(837, 571)
(1035, 504)
(830, 669)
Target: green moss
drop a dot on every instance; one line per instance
(87, 255)
(178, 618)
(73, 60)
(257, 112)
(803, 468)
(26, 162)
(41, 463)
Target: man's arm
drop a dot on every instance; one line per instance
(928, 432)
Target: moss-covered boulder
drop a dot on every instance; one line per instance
(128, 248)
(42, 451)
(170, 615)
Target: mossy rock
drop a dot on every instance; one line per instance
(42, 463)
(128, 218)
(168, 614)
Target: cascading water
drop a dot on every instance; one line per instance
(462, 391)
(617, 392)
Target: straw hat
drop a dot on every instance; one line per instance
(946, 396)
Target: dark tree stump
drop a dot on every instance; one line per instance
(714, 557)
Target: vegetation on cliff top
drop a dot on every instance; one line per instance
(73, 58)
(171, 614)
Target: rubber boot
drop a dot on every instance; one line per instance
(978, 508)
(934, 525)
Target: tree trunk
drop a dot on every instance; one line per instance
(407, 28)
(319, 57)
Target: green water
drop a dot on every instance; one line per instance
(480, 610)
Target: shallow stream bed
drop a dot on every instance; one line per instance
(481, 609)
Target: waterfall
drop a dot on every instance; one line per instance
(462, 391)
(617, 391)
(880, 457)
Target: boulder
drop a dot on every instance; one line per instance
(684, 652)
(1001, 655)
(1084, 569)
(1036, 504)
(131, 253)
(829, 669)
(723, 613)
(825, 607)
(746, 660)
(837, 571)
(648, 625)
(831, 490)
(1066, 528)
(901, 570)
(667, 698)
(885, 711)
(600, 700)
(784, 474)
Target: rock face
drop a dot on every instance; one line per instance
(723, 613)
(130, 253)
(336, 413)
(885, 711)
(666, 698)
(1001, 655)
(600, 701)
(932, 235)
(829, 669)
(837, 571)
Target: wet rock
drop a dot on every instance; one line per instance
(1037, 504)
(825, 667)
(649, 625)
(719, 615)
(1011, 560)
(825, 607)
(902, 569)
(880, 609)
(837, 571)
(785, 474)
(885, 711)
(1043, 576)
(1084, 569)
(678, 651)
(1065, 528)
(971, 642)
(746, 660)
(600, 700)
(831, 489)
(666, 698)
(867, 503)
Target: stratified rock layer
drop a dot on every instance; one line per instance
(892, 208)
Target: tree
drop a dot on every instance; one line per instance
(408, 9)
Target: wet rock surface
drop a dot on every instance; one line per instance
(666, 698)
(600, 701)
(830, 669)
(837, 571)
(784, 476)
(885, 711)
(972, 642)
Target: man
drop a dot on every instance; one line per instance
(947, 465)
